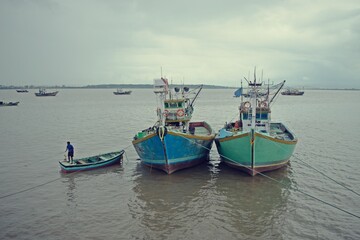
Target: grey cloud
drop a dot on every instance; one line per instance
(311, 43)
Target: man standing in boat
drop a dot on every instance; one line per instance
(70, 150)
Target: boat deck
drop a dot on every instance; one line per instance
(277, 130)
(91, 160)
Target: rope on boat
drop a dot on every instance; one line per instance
(36, 186)
(127, 159)
(339, 183)
(322, 173)
(285, 185)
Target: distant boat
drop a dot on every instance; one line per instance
(260, 94)
(252, 143)
(120, 91)
(5, 104)
(292, 92)
(42, 93)
(174, 142)
(90, 163)
(22, 90)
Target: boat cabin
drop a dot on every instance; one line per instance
(262, 117)
(176, 110)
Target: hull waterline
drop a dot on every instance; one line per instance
(263, 153)
(69, 168)
(175, 152)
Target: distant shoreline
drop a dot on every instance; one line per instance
(143, 86)
(111, 86)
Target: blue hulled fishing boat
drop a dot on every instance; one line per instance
(174, 142)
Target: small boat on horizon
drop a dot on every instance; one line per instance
(89, 163)
(42, 93)
(120, 91)
(292, 92)
(7, 104)
(253, 143)
(174, 143)
(22, 90)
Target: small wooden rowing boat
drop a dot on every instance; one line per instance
(90, 163)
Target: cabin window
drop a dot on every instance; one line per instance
(262, 116)
(173, 104)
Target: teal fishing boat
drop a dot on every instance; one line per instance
(253, 143)
(89, 163)
(174, 142)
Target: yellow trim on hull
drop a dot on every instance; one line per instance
(233, 137)
(143, 139)
(209, 137)
(257, 166)
(276, 140)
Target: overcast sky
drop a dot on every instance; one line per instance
(309, 43)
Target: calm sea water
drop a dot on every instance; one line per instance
(210, 201)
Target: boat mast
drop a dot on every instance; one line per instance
(161, 88)
(253, 96)
(253, 102)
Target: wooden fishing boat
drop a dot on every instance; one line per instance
(93, 162)
(120, 91)
(42, 93)
(6, 104)
(252, 142)
(174, 142)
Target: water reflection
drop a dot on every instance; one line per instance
(211, 196)
(73, 180)
(252, 206)
(165, 204)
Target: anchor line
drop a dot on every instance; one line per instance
(127, 160)
(322, 173)
(36, 186)
(339, 183)
(285, 185)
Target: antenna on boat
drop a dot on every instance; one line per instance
(277, 92)
(192, 102)
(242, 90)
(268, 90)
(246, 80)
(255, 74)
